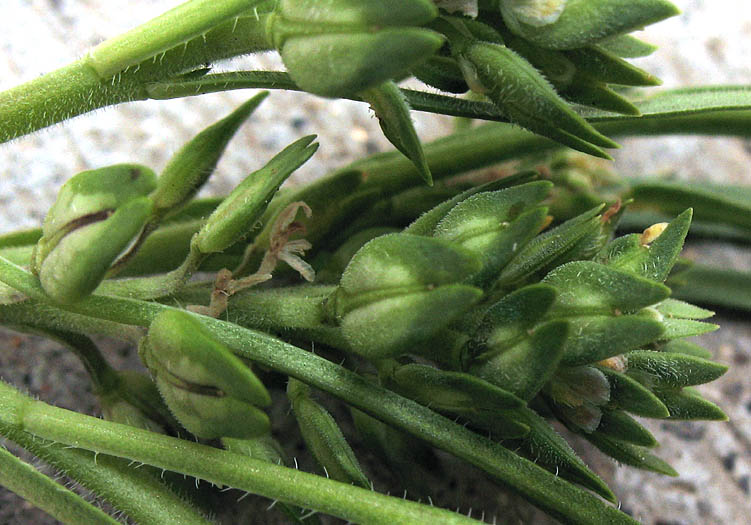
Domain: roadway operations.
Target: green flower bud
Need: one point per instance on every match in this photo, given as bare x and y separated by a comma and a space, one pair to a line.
235, 217
189, 168
95, 217
399, 289
210, 390
347, 46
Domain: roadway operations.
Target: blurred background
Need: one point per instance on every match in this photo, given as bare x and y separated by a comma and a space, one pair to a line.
708, 44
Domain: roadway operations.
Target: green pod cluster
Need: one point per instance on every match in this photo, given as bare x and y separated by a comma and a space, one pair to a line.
96, 216
347, 46
209, 390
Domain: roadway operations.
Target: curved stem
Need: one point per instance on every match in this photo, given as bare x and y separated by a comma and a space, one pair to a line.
214, 465
54, 499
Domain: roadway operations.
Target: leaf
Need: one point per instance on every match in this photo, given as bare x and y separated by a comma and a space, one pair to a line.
682, 346
630, 395
687, 405
392, 110
627, 46
547, 448
588, 287
584, 22
630, 454
323, 437
678, 328
603, 66
451, 391
682, 310
549, 246
594, 338
715, 286
668, 369
426, 223
618, 425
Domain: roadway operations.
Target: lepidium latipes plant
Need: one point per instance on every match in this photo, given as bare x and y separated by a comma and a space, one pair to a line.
445, 312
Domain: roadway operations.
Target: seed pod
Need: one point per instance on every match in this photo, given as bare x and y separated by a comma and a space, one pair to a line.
351, 45
210, 390
235, 217
527, 365
581, 22
323, 437
189, 168
399, 289
96, 215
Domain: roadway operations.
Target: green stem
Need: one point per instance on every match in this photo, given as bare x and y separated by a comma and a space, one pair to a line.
162, 33
216, 466
78, 88
54, 499
137, 492
547, 491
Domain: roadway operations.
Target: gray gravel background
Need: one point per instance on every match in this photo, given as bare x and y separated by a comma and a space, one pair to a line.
710, 43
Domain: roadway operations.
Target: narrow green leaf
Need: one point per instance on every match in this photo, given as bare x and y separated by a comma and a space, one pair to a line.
681, 346
715, 286
549, 246
687, 405
426, 223
627, 46
670, 369
630, 395
618, 425
584, 22
682, 310
599, 96
41, 491
597, 337
588, 287
548, 449
630, 454
678, 328
392, 110
604, 66
449, 391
